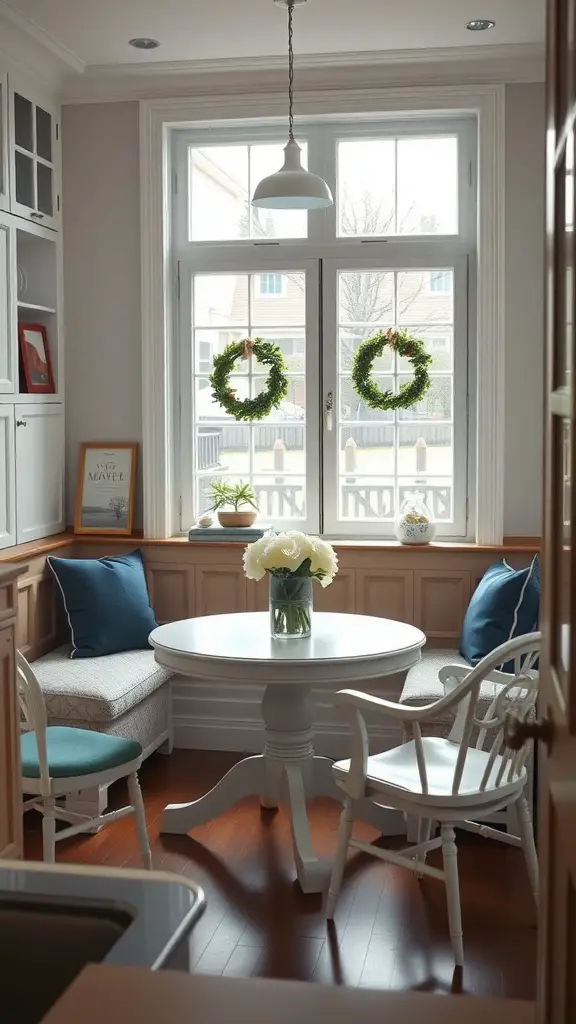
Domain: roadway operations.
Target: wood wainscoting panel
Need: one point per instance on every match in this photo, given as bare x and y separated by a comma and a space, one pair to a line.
39, 627
8, 601
257, 593
385, 592
171, 591
219, 589
340, 596
440, 602
25, 621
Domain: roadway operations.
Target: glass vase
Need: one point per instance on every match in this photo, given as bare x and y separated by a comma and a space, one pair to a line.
290, 606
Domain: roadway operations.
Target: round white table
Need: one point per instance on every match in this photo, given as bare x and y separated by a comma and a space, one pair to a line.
344, 651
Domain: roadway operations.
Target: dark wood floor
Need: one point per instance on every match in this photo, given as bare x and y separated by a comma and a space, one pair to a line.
390, 930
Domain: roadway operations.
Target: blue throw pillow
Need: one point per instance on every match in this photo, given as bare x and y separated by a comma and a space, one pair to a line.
106, 603
505, 604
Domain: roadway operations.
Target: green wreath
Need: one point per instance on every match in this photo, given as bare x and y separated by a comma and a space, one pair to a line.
408, 347
251, 408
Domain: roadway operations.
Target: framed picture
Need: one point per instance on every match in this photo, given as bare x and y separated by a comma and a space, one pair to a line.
35, 357
105, 491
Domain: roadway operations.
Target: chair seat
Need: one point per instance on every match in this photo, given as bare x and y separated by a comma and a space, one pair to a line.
397, 770
75, 752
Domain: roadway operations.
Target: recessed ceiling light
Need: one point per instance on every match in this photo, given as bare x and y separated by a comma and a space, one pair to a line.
144, 43
480, 24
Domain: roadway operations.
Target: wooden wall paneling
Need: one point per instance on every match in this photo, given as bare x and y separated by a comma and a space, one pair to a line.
385, 592
340, 596
171, 591
25, 622
440, 602
39, 627
257, 595
47, 627
219, 589
8, 601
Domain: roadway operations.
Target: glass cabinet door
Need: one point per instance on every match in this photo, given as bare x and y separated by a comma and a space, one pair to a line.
33, 141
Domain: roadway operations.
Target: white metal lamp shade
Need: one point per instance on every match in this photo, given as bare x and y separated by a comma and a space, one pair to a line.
292, 187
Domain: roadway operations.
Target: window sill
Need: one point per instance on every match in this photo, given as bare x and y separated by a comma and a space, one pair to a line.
24, 552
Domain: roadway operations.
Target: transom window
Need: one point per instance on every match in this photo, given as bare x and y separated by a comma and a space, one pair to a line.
395, 251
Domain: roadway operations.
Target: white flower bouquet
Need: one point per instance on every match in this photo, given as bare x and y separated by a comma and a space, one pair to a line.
292, 561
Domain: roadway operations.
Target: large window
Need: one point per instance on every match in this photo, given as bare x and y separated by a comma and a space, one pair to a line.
397, 250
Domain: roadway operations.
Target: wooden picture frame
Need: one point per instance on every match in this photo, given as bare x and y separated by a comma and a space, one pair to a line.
35, 359
106, 487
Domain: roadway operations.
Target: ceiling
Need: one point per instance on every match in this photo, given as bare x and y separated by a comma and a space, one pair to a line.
96, 32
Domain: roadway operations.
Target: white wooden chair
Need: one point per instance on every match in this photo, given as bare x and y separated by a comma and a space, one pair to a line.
454, 781
57, 761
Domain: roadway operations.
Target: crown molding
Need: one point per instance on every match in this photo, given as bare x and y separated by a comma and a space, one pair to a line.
357, 58
27, 25
455, 65
19, 52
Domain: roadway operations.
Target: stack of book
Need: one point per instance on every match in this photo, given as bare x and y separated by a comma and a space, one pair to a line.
229, 533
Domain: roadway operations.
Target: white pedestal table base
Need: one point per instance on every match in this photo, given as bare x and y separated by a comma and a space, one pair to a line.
287, 772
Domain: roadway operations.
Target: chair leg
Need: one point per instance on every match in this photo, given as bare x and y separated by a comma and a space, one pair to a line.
528, 844
344, 833
48, 831
140, 817
424, 829
450, 856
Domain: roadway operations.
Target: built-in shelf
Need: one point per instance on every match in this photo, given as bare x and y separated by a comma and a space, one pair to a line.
22, 398
36, 306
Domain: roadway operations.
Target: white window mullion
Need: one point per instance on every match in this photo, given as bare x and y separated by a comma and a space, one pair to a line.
185, 483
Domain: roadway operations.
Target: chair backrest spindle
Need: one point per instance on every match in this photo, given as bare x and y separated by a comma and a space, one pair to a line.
31, 701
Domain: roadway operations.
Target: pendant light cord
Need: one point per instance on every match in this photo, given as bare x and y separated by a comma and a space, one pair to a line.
290, 72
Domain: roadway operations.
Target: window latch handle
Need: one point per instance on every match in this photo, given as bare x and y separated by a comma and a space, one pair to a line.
329, 411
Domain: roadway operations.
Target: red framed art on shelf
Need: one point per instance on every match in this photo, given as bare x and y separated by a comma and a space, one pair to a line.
35, 358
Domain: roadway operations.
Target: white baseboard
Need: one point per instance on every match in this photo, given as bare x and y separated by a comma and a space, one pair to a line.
223, 716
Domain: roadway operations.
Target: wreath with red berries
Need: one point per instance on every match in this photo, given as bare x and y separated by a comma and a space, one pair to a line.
406, 346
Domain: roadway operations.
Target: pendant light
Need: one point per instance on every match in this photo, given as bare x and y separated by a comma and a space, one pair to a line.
292, 188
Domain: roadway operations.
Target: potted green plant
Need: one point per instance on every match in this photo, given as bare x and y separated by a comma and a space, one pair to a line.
235, 504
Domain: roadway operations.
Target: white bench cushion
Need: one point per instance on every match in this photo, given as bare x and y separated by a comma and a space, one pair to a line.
422, 686
97, 689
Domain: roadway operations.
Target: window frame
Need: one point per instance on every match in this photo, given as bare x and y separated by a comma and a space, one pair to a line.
322, 242
398, 259
217, 262
321, 138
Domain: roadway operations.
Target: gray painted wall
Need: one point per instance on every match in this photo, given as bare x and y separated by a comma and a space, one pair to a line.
525, 158
102, 288
101, 279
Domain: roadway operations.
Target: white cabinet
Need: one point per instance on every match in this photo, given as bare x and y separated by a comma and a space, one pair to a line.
39, 471
7, 478
8, 327
4, 189
34, 151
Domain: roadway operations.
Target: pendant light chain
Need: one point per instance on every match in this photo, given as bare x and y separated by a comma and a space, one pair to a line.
290, 72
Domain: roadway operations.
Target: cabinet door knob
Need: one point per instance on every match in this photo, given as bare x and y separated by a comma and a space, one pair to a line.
517, 731
21, 423
37, 216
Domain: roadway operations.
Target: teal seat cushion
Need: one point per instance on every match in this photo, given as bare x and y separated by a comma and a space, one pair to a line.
73, 752
105, 602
